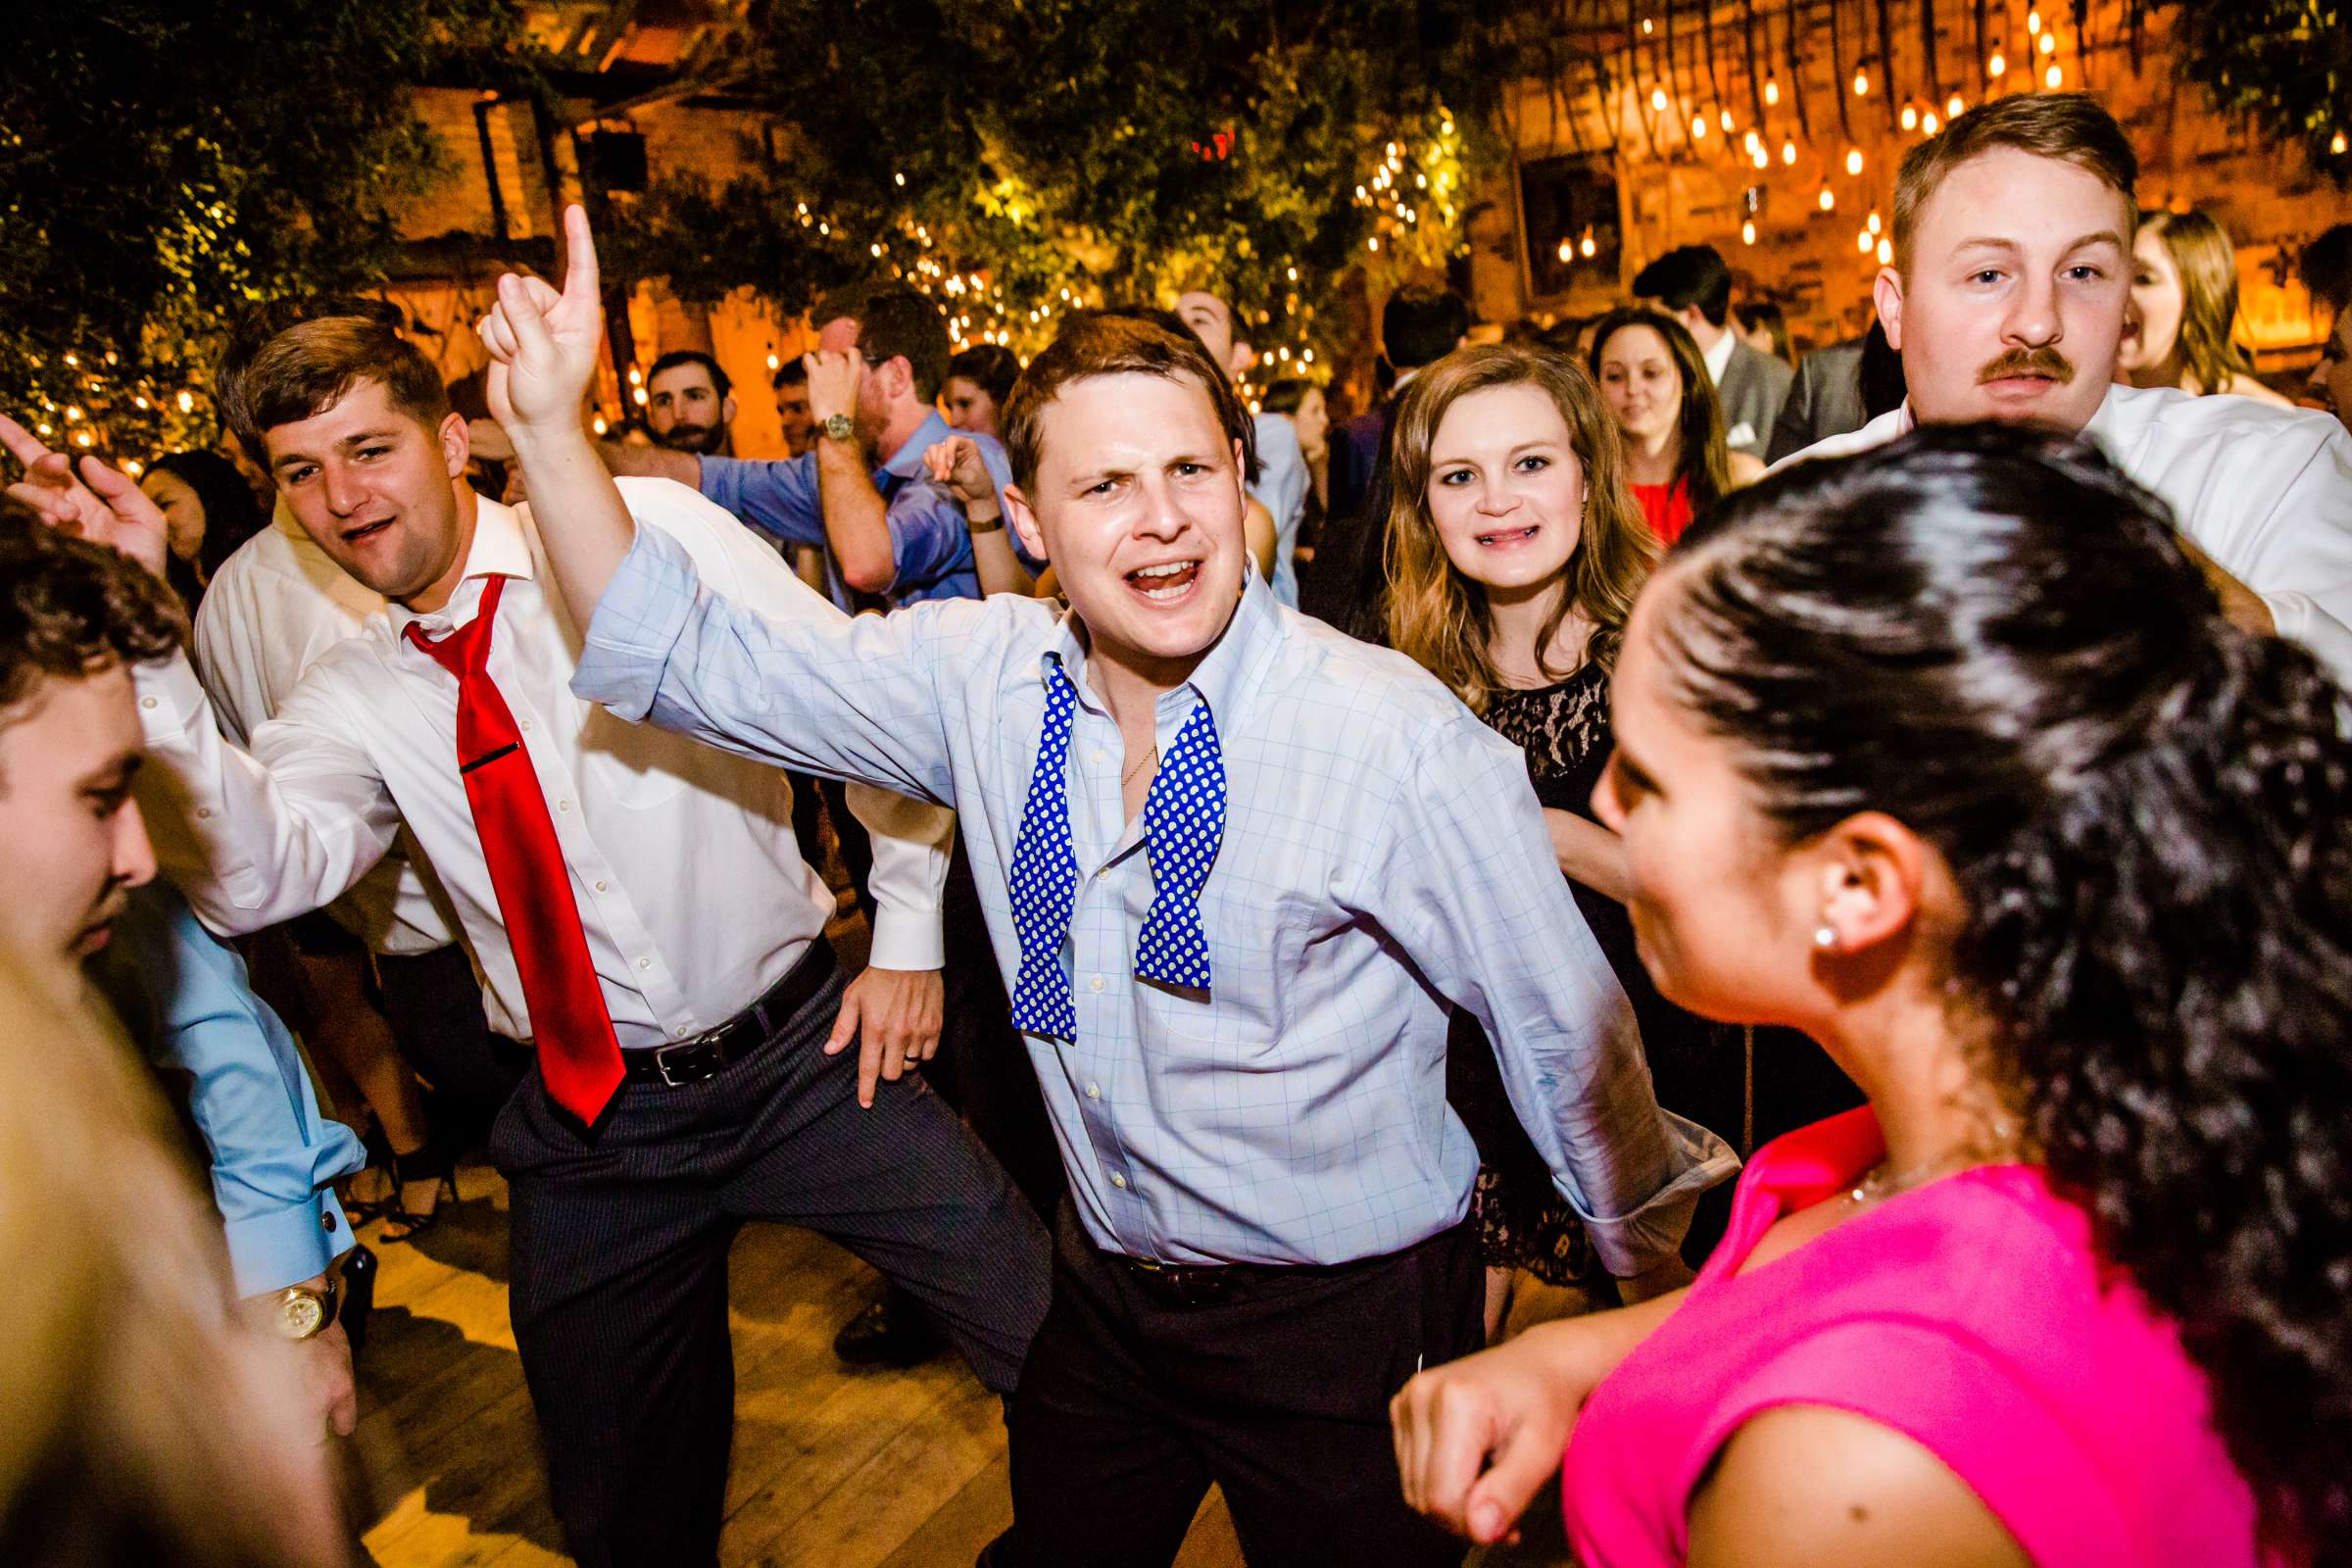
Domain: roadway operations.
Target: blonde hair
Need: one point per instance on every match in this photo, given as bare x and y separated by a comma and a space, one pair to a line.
145, 1424
2207, 263
1437, 616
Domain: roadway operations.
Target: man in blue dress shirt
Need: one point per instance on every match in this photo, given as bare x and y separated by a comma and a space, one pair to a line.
1238, 870
81, 901
861, 494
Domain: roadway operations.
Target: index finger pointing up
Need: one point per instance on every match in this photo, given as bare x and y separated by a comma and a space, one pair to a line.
580, 282
21, 443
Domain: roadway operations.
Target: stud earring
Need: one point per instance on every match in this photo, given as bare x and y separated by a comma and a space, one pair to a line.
1824, 937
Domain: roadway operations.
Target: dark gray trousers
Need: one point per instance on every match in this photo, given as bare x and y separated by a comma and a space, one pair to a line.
620, 1264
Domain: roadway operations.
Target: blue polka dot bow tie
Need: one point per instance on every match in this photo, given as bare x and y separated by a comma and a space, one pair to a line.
1184, 823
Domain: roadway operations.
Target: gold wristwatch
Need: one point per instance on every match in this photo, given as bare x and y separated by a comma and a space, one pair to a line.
299, 1312
838, 427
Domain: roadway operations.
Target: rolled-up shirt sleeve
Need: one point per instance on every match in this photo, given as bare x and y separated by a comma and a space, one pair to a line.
273, 1154
1472, 887
777, 496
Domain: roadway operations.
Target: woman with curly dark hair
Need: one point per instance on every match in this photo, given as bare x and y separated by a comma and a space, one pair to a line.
1946, 755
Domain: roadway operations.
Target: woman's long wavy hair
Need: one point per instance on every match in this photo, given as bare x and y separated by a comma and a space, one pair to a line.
1706, 458
2207, 263
1996, 638
1438, 618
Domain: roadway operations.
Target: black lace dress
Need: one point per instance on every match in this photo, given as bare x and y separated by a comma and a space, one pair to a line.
1697, 1067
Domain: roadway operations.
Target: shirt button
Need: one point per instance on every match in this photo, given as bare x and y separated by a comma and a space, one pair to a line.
1098, 758
1093, 1091
600, 884
146, 702
525, 725
563, 805
1118, 1180
645, 963
203, 811
679, 1030
326, 1222
1096, 984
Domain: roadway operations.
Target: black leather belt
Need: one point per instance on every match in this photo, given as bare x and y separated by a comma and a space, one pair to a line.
1199, 1284
709, 1053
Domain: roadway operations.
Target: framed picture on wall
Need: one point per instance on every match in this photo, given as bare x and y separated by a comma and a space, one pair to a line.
1570, 236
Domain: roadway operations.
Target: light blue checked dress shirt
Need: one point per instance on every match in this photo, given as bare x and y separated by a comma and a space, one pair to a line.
1383, 854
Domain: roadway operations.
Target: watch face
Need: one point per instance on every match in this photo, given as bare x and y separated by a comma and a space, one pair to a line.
301, 1314
839, 427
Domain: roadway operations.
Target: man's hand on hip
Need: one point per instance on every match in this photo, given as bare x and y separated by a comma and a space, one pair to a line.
895, 1016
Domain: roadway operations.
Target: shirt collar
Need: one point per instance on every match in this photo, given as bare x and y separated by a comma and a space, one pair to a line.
501, 549
1233, 671
1719, 358
908, 462
2100, 428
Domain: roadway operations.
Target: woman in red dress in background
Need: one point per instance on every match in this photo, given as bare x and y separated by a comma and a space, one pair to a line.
1656, 385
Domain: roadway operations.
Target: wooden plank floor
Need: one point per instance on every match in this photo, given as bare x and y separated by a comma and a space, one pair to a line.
833, 1468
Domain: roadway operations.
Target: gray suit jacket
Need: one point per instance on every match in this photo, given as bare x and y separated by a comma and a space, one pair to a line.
1825, 401
1753, 389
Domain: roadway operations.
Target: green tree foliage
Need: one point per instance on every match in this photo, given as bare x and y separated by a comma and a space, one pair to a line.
2286, 64
162, 165
1018, 157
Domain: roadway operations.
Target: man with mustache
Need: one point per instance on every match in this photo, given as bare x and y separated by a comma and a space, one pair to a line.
689, 403
75, 620
2012, 268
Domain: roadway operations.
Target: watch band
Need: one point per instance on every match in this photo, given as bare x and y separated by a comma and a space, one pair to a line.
838, 427
994, 524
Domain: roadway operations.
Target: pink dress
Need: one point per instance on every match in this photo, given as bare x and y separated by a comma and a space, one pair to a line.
1967, 1314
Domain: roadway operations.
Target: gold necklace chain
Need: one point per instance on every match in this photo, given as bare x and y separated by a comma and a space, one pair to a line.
1150, 757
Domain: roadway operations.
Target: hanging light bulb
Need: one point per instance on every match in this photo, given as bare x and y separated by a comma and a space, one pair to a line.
1699, 127
1885, 254
2049, 43
1996, 64
2051, 77
1657, 99
1929, 123
1853, 160
1771, 91
1829, 199
1647, 27
1586, 244
1861, 84
1727, 122
1567, 251
1910, 117
1748, 232
1760, 158
2033, 21
1863, 241
1954, 107
2337, 146
1788, 149
1872, 222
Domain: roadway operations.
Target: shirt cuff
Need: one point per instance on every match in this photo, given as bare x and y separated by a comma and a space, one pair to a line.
637, 623
285, 1246
171, 698
1632, 1243
908, 939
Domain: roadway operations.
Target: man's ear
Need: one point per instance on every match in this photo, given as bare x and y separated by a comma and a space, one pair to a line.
1888, 292
456, 445
1024, 521
726, 410
1242, 359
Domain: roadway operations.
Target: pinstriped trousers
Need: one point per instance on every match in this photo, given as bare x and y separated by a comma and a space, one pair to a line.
620, 1264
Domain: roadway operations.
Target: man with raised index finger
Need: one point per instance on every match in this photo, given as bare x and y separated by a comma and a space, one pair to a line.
640, 913
1237, 871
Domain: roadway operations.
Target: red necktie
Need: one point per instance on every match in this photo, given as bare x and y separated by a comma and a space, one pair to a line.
579, 1056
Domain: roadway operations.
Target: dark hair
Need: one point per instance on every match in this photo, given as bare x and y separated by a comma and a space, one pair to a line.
1286, 395
677, 356
1688, 275
792, 371
252, 331
1768, 315
309, 368
1133, 340
2327, 268
894, 322
2069, 127
1707, 456
230, 515
70, 609
1996, 638
1884, 384
990, 367
1422, 326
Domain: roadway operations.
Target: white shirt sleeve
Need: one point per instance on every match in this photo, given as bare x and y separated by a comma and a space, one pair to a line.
2297, 554
254, 839
912, 839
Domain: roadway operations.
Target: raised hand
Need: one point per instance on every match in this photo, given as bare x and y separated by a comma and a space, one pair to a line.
100, 504
834, 382
543, 344
955, 462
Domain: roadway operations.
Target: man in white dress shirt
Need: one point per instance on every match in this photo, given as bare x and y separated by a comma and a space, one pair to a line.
2012, 267
637, 908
